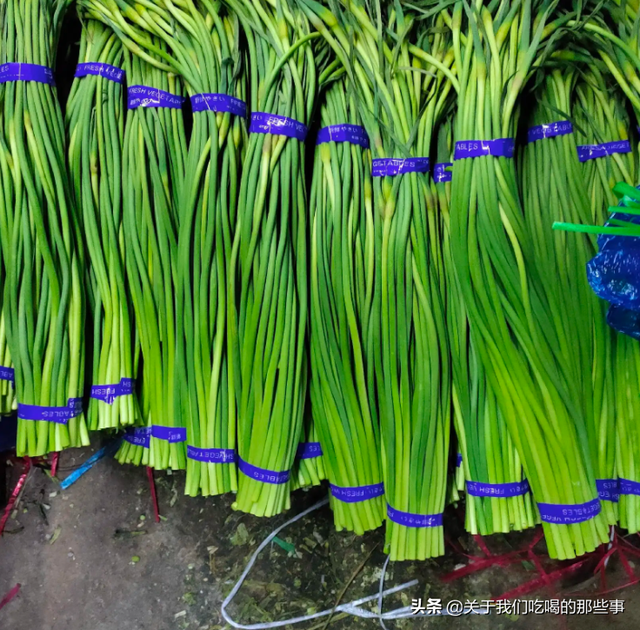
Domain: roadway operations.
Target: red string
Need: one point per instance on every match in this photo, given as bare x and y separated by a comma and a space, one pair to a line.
9, 596
483, 547
488, 559
623, 548
15, 494
154, 496
54, 464
546, 579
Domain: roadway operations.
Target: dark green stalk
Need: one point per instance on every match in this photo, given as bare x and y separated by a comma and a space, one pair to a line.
43, 291
95, 123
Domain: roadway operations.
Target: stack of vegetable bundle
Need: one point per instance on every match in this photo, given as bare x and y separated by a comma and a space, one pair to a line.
269, 259
411, 360
606, 156
43, 293
342, 337
586, 343
95, 123
487, 458
510, 319
153, 175
205, 50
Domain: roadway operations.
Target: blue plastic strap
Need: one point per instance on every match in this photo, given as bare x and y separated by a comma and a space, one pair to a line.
212, 455
550, 130
262, 474
172, 435
143, 96
441, 172
7, 374
498, 490
105, 70
139, 436
567, 514
262, 122
218, 103
608, 489
108, 393
413, 520
59, 415
629, 487
595, 151
390, 167
502, 147
356, 494
11, 72
309, 450
354, 134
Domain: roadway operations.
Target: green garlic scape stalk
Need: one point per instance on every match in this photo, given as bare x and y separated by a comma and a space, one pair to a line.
269, 256
44, 300
342, 338
400, 107
510, 321
154, 162
487, 450
95, 124
601, 117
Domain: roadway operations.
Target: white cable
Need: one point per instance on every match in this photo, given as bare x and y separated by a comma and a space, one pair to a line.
612, 533
381, 592
351, 608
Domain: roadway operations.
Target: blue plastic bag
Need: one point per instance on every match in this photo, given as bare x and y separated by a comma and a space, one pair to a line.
624, 320
614, 275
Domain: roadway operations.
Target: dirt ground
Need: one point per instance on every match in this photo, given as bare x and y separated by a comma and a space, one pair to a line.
92, 558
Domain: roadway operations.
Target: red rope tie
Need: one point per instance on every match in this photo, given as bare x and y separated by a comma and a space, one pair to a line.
623, 548
489, 559
15, 494
545, 580
9, 596
154, 496
54, 463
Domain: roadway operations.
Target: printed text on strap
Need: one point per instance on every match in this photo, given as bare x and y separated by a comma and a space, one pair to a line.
413, 520
356, 494
143, 96
108, 393
262, 474
608, 489
309, 450
502, 147
550, 130
441, 174
139, 436
59, 415
10, 72
212, 455
169, 434
353, 134
390, 167
498, 490
218, 103
261, 122
567, 514
113, 73
594, 151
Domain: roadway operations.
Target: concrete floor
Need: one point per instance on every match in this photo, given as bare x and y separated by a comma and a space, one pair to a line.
92, 558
